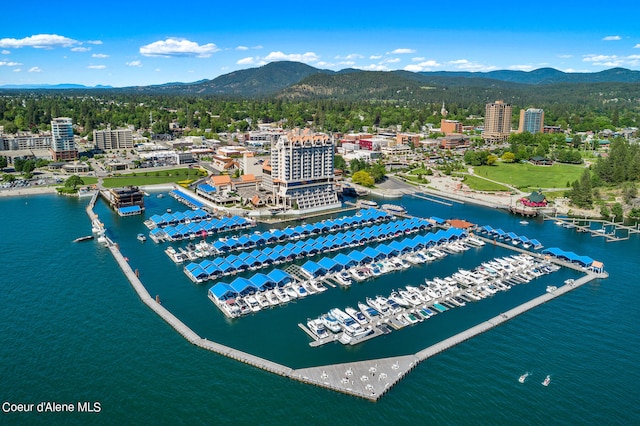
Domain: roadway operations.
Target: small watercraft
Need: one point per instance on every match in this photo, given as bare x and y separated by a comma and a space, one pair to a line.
523, 377
546, 381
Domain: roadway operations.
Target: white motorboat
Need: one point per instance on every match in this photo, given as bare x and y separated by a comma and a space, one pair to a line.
282, 295
141, 237
368, 311
523, 377
343, 278
546, 381
262, 300
318, 328
253, 303
331, 323
317, 286
356, 315
380, 306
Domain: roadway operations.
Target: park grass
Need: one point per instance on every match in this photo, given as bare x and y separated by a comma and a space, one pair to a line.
527, 176
480, 184
153, 178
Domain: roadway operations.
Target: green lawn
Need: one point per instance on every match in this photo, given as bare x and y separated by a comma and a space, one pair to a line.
528, 176
479, 184
152, 178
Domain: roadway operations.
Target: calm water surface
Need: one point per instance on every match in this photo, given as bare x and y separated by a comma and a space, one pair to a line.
74, 330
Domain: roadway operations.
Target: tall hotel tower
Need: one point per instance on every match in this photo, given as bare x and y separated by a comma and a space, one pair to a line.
300, 172
497, 122
531, 120
63, 147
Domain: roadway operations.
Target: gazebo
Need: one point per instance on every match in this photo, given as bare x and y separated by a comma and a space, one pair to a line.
535, 199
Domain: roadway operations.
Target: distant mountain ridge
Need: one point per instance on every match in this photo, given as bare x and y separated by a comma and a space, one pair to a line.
290, 80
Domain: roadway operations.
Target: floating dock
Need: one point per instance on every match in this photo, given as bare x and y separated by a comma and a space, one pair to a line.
369, 379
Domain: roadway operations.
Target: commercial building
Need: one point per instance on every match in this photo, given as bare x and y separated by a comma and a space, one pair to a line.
300, 172
63, 147
497, 122
24, 141
113, 139
531, 120
450, 126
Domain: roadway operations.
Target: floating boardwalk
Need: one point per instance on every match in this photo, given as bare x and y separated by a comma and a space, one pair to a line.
369, 379
575, 223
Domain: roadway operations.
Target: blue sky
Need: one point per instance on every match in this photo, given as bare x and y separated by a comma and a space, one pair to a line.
122, 43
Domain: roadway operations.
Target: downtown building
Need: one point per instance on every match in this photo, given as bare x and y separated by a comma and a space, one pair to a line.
497, 122
113, 139
531, 120
63, 147
300, 172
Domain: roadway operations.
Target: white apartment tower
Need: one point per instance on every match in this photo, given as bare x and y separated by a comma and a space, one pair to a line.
301, 172
497, 122
63, 147
113, 139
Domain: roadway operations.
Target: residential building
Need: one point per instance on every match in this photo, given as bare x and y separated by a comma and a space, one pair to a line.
24, 141
113, 139
63, 147
497, 122
300, 172
531, 120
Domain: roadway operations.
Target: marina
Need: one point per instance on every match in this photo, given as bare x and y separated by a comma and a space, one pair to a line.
610, 231
370, 379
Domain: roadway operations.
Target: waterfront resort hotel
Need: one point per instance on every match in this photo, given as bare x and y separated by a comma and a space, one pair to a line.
127, 201
300, 172
63, 147
497, 122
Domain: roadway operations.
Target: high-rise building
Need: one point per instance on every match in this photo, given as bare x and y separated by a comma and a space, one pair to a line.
63, 147
113, 139
497, 122
531, 120
300, 171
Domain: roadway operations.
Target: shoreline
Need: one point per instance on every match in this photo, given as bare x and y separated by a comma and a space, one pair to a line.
39, 190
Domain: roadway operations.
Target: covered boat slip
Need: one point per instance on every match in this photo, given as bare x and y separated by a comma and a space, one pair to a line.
186, 199
173, 219
130, 211
499, 234
203, 228
312, 269
321, 244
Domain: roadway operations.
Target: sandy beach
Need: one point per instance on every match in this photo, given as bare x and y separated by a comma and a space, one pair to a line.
31, 190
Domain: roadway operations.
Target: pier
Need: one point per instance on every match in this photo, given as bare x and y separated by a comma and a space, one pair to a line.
609, 235
369, 379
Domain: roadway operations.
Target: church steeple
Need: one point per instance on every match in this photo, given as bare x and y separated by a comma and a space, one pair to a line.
444, 111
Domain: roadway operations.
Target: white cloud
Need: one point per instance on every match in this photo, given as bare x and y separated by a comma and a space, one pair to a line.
242, 48
97, 67
612, 38
9, 64
350, 57
94, 41
375, 57
246, 61
419, 59
345, 63
403, 51
391, 60
7, 52
637, 46
565, 56
297, 57
80, 49
40, 41
172, 47
520, 67
134, 64
35, 69
464, 64
99, 55
422, 66
17, 70
374, 67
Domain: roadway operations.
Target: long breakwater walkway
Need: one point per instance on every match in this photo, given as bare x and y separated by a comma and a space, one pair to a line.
369, 379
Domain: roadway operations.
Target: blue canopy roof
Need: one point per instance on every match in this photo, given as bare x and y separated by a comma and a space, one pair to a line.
313, 269
243, 286
569, 255
262, 281
280, 277
344, 260
223, 291
330, 264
